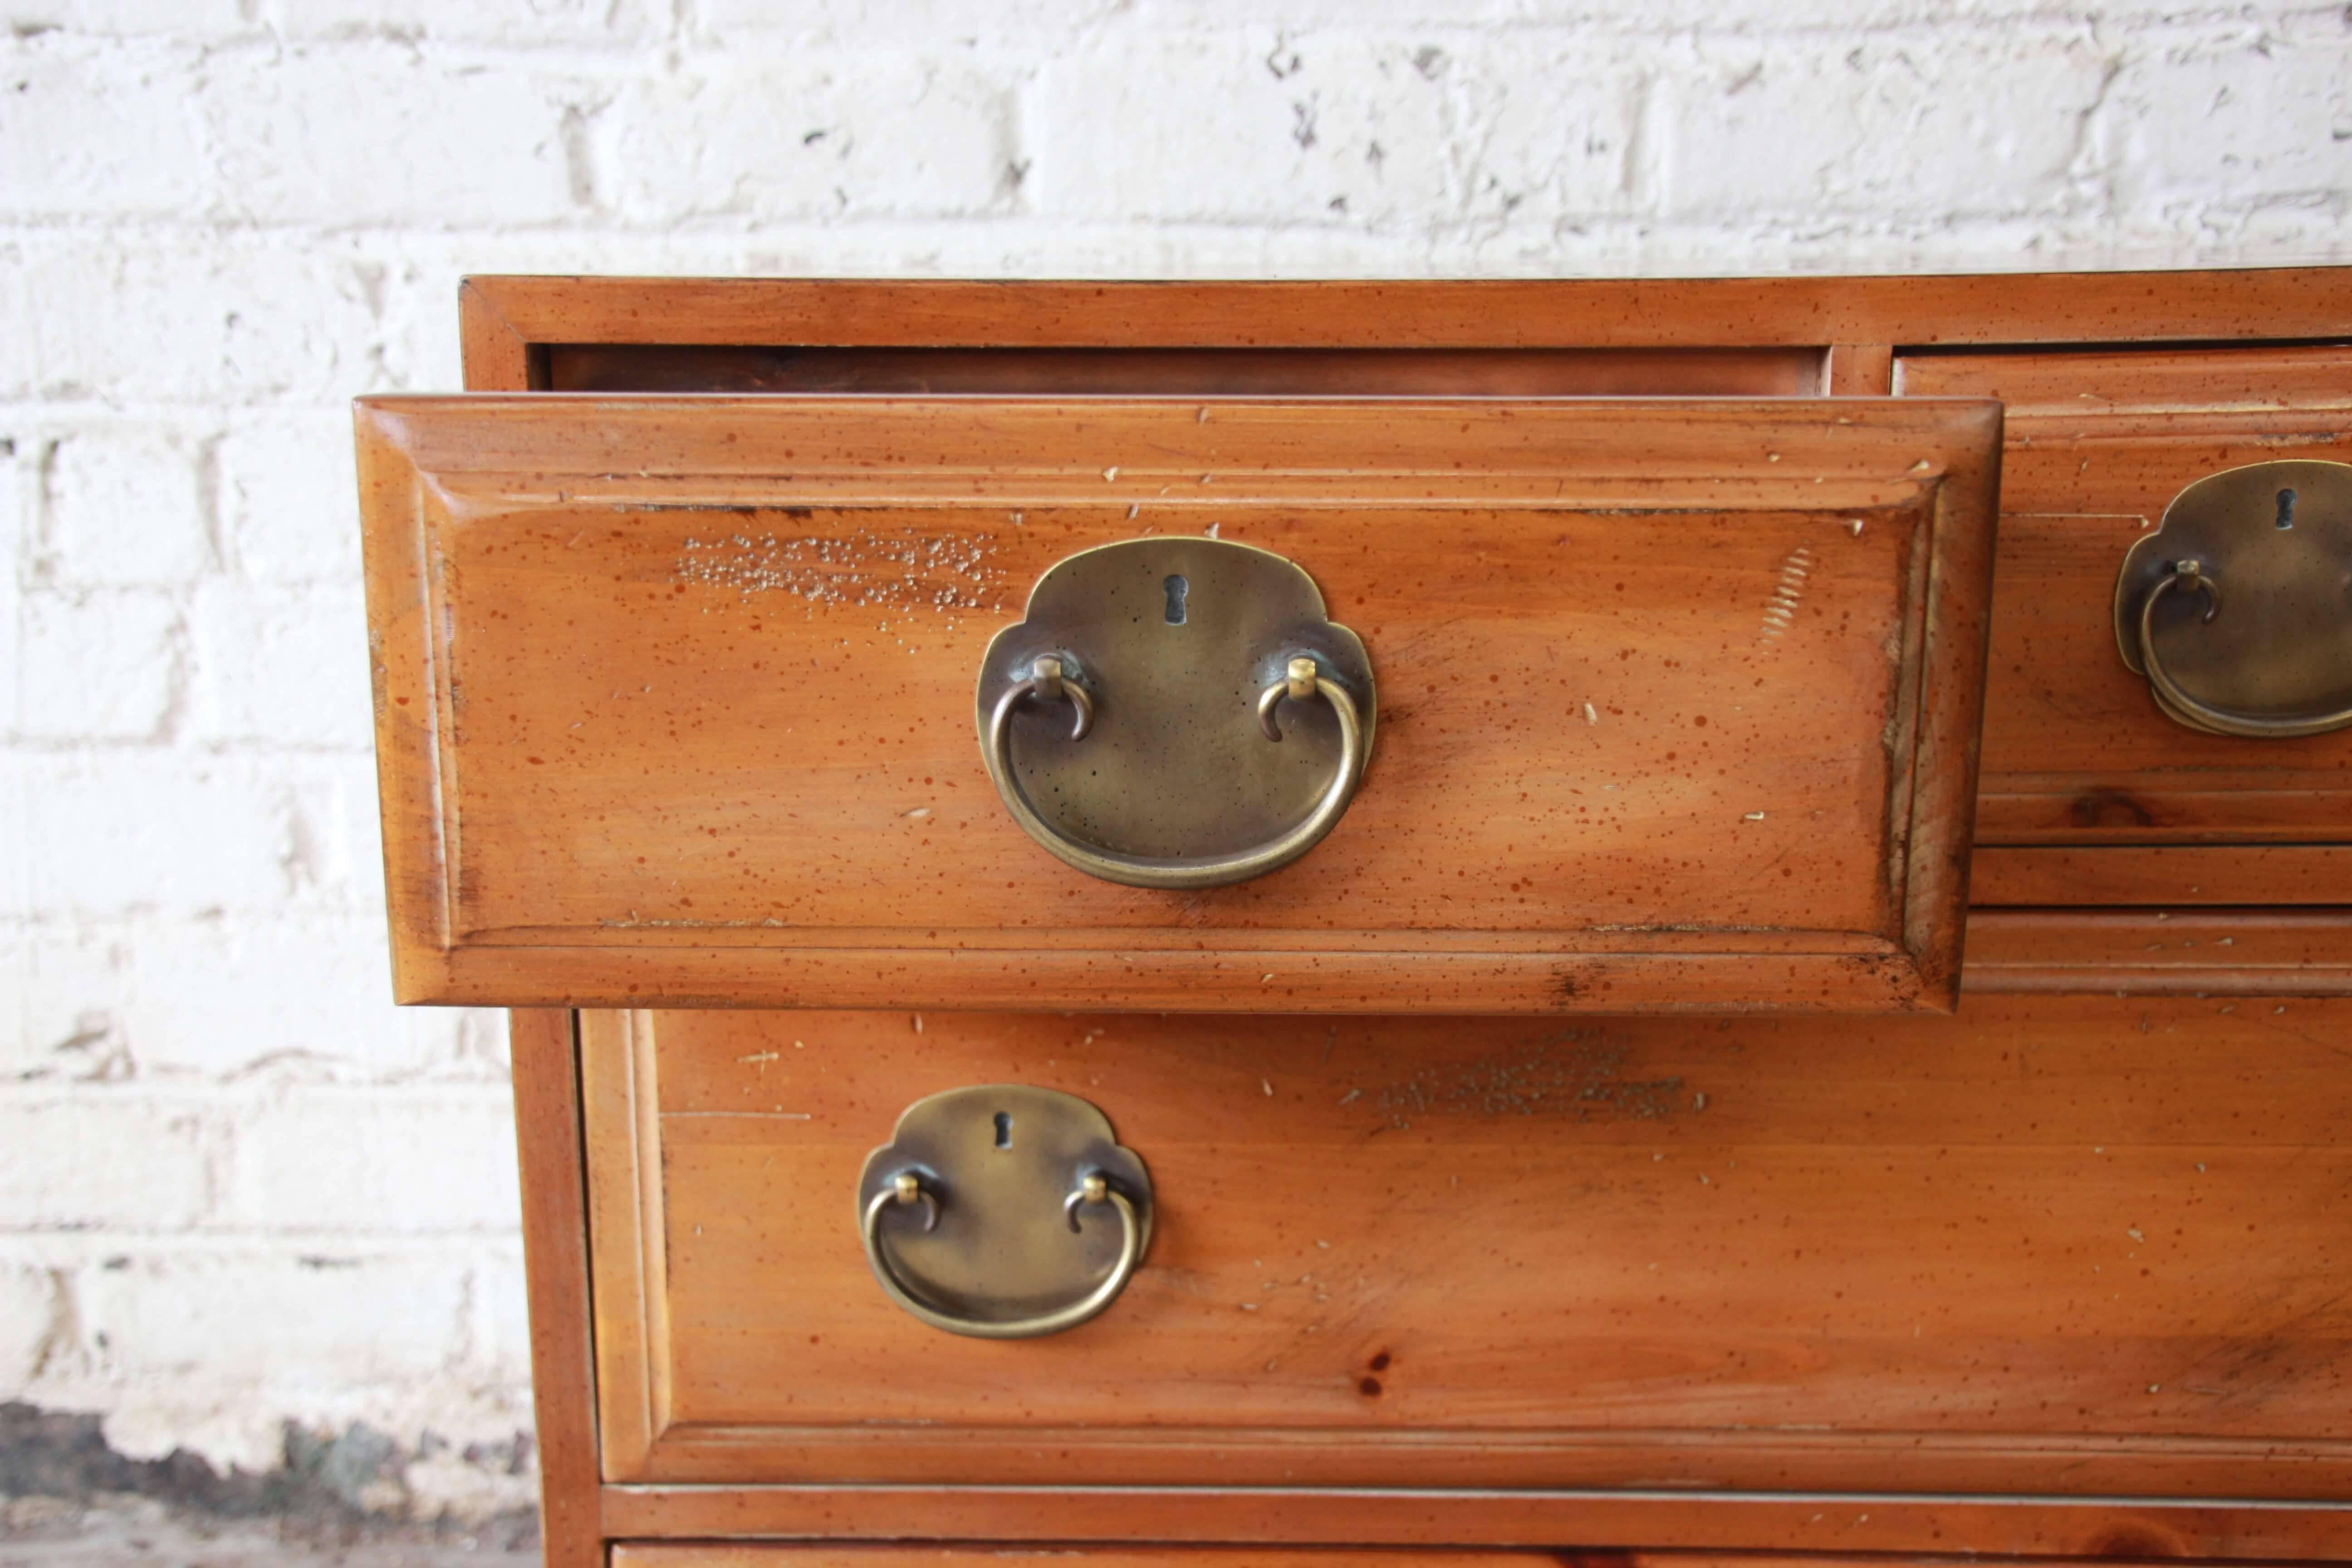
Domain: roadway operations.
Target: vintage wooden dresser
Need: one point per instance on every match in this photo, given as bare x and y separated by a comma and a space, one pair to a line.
1293, 923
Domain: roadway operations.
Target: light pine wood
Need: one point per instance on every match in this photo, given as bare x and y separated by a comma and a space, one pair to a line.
1680, 713
2077, 1246
1859, 370
2140, 383
631, 1297
1693, 312
2247, 953
2173, 875
2104, 1529
1963, 1166
555, 1264
495, 356
2075, 749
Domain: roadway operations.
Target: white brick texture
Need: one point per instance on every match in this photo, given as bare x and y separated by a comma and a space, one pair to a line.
98, 665
122, 507
237, 1188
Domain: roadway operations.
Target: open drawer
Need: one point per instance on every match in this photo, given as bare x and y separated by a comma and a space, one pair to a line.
1656, 704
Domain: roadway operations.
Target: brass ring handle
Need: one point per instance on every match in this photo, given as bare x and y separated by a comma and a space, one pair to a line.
1301, 681
2189, 576
907, 1187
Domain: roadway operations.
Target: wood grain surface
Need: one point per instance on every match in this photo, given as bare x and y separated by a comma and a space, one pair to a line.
2062, 1247
2249, 952
1683, 313
2171, 876
555, 1261
1678, 700
2075, 749
2050, 1278
1962, 1530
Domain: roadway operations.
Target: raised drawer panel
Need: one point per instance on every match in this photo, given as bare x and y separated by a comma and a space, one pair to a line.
1677, 700
2099, 443
2072, 1247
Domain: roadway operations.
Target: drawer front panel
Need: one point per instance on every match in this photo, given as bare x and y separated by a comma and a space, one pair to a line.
1678, 701
2079, 1247
1702, 1531
2075, 749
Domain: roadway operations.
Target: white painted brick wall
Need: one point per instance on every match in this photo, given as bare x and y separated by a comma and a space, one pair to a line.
236, 1186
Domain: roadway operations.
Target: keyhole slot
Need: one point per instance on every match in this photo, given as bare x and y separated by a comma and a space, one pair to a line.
1004, 1129
1176, 588
2286, 508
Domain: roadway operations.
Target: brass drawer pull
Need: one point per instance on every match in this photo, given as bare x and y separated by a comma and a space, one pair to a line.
2278, 664
2190, 575
1170, 642
1003, 1175
1301, 681
1092, 1189
1048, 682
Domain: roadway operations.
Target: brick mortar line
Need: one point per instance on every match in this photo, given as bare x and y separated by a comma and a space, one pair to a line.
501, 1243
485, 1092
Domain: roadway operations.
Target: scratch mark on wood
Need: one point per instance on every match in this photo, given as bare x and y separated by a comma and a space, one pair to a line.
905, 569
1782, 611
1571, 1074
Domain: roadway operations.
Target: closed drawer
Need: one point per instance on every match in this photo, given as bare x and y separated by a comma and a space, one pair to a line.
1667, 705
2076, 750
2070, 1249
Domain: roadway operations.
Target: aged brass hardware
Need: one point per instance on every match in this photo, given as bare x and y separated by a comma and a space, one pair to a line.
1166, 648
2237, 607
980, 1216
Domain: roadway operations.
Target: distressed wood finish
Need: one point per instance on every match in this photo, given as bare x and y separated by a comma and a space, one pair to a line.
2051, 1279
1689, 312
555, 1261
2107, 1529
2078, 1248
1859, 370
674, 699
2175, 876
2248, 952
2075, 750
2069, 765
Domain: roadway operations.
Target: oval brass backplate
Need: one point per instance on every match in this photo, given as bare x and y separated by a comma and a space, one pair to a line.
1000, 1242
2255, 624
1172, 642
